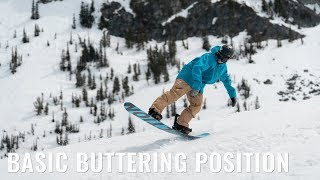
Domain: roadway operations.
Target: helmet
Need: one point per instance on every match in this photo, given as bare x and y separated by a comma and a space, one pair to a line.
225, 53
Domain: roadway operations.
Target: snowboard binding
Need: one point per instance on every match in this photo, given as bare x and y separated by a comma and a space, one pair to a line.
179, 127
154, 114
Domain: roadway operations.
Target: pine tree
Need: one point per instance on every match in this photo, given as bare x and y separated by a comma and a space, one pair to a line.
92, 53
206, 45
140, 38
32, 129
245, 106
204, 104
63, 61
166, 77
125, 86
122, 131
157, 64
290, 34
105, 40
135, 72
64, 121
173, 109
14, 61
270, 4
279, 44
92, 9
185, 45
101, 92
33, 10
172, 51
95, 108
178, 65
34, 146
129, 69
131, 128
38, 104
77, 101
74, 26
85, 95
102, 111
53, 120
185, 103
25, 38
84, 58
257, 104
46, 109
86, 18
139, 71
167, 112
111, 74
101, 133
148, 74
15, 34
105, 59
36, 30
110, 130
36, 12
224, 40
129, 38
68, 59
66, 140
79, 79
238, 107
117, 48
280, 9
83, 13
116, 85
89, 79
264, 6
94, 85
61, 105
71, 39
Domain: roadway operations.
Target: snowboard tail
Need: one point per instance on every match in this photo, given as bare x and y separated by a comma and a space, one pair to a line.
131, 108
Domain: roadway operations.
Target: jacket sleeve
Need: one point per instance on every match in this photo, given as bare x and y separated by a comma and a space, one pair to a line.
199, 66
225, 78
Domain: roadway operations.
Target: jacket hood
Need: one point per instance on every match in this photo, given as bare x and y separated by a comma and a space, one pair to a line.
215, 49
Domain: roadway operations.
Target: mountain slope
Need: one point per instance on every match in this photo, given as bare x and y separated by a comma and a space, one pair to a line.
277, 126
162, 20
266, 130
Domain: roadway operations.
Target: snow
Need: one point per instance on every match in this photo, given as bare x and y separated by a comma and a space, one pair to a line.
183, 13
265, 130
214, 20
314, 7
125, 4
292, 127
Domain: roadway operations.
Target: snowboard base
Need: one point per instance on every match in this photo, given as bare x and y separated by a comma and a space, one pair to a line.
131, 108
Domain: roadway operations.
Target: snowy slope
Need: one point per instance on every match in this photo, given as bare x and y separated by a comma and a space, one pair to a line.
46, 77
276, 127
265, 130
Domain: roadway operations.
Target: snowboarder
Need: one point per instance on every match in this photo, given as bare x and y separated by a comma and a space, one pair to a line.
191, 80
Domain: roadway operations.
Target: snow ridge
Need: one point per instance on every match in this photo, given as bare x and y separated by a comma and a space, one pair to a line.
182, 13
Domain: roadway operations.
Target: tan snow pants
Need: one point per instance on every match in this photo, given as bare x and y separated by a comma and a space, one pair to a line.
179, 88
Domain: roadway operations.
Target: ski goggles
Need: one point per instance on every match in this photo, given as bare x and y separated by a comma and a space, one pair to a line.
223, 57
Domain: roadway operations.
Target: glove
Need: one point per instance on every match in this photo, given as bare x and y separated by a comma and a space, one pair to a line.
233, 101
194, 93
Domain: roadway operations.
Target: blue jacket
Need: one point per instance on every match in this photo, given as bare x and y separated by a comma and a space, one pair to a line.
206, 70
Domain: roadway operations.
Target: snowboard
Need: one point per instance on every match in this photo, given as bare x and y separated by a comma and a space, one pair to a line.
131, 108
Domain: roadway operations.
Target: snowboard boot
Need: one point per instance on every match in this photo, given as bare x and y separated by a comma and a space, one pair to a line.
154, 114
179, 127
